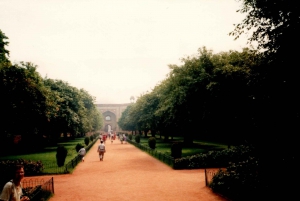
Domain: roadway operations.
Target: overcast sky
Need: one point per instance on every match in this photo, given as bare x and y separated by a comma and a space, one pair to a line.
115, 49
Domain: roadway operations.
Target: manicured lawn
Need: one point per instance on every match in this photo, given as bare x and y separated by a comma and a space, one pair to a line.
48, 154
197, 147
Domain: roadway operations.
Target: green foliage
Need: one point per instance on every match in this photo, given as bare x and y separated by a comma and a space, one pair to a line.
126, 121
275, 24
214, 159
152, 142
86, 140
274, 27
137, 138
130, 136
61, 154
176, 150
25, 103
37, 108
91, 138
4, 53
78, 147
30, 167
240, 181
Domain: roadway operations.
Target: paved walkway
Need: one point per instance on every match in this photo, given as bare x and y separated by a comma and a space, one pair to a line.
128, 173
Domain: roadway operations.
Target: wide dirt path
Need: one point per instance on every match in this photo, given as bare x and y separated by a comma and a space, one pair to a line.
130, 174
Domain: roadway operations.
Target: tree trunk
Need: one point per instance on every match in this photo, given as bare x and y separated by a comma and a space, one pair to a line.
153, 133
145, 133
166, 135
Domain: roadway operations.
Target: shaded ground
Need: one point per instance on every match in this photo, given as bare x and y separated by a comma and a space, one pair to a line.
130, 174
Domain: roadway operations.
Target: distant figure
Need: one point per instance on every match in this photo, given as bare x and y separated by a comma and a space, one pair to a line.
12, 190
104, 138
82, 153
125, 138
101, 150
121, 138
112, 138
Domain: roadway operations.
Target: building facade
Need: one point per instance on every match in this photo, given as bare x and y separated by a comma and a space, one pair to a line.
111, 114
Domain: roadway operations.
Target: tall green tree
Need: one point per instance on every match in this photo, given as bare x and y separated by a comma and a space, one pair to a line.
66, 118
24, 102
126, 122
92, 119
4, 53
274, 25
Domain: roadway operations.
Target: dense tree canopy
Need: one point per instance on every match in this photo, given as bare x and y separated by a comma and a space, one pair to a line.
274, 24
241, 97
24, 102
37, 108
125, 122
72, 111
210, 96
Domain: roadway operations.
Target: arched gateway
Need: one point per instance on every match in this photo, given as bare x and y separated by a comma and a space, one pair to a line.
111, 114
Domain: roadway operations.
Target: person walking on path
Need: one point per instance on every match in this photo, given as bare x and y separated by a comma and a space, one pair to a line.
12, 190
121, 138
112, 138
82, 153
101, 150
125, 138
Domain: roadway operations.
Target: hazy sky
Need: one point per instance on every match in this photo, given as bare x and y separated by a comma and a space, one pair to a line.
115, 49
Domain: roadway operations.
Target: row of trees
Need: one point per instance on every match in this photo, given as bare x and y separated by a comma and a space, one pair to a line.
250, 96
37, 108
236, 95
209, 96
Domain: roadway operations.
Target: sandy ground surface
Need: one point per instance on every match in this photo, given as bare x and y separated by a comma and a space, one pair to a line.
127, 173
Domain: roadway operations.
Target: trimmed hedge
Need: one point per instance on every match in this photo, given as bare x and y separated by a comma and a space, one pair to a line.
215, 158
240, 181
31, 168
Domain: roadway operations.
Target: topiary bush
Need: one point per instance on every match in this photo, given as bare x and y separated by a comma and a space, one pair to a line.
176, 150
86, 140
61, 154
152, 142
137, 138
130, 136
91, 138
78, 147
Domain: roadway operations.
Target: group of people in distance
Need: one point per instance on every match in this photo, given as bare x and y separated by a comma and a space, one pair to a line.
101, 147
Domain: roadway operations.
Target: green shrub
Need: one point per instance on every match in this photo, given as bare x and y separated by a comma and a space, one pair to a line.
91, 138
86, 140
238, 180
176, 150
31, 168
130, 137
137, 138
78, 147
152, 142
61, 154
214, 159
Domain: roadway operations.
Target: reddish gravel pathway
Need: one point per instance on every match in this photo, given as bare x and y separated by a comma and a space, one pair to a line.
130, 174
